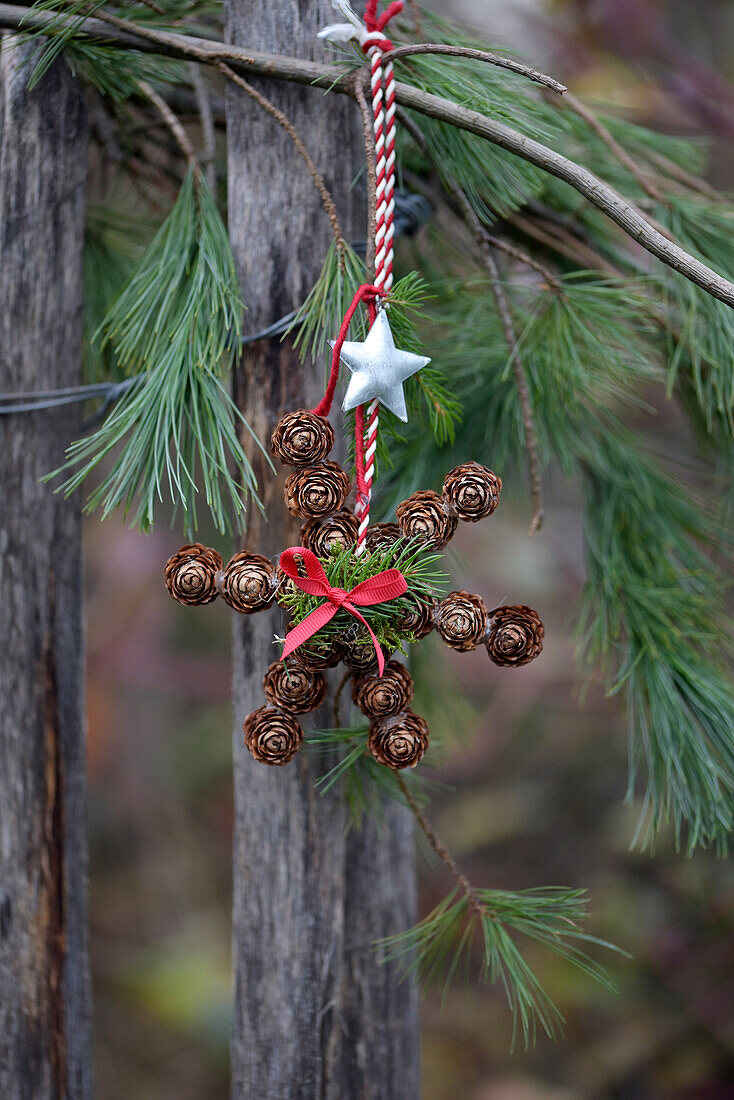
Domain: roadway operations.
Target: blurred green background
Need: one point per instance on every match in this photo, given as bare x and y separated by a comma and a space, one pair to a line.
532, 783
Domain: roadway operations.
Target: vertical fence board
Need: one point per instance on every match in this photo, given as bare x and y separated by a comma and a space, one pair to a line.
44, 979
315, 1014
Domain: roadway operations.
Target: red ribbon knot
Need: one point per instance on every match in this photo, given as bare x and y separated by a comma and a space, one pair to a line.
384, 586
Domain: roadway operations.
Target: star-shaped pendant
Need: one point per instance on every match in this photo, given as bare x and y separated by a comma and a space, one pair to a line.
379, 369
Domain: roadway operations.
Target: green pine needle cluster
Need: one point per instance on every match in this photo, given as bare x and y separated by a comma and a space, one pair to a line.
175, 434
651, 609
114, 75
346, 570
443, 944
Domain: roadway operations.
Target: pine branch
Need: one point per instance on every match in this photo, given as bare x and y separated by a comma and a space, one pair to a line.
611, 142
441, 944
598, 193
481, 237
175, 325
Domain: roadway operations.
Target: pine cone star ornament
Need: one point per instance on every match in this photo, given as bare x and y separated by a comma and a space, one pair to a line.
330, 553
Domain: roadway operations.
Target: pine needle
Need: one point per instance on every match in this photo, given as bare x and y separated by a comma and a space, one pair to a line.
173, 436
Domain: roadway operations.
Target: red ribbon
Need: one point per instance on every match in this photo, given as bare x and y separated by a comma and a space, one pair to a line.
384, 586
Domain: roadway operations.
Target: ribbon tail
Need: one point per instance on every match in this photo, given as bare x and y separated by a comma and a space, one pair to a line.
308, 627
378, 648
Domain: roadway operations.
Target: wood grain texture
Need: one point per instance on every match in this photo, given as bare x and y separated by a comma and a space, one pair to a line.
44, 979
315, 1015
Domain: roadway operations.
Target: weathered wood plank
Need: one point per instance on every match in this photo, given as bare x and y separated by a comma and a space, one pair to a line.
315, 1014
44, 978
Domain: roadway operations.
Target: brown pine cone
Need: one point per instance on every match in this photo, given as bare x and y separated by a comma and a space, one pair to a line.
359, 654
272, 736
316, 491
424, 516
249, 583
472, 491
515, 635
382, 536
339, 530
292, 687
418, 620
461, 620
382, 696
316, 654
302, 438
191, 574
400, 741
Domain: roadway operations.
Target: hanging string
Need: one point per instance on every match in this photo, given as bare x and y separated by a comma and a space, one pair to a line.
382, 82
365, 293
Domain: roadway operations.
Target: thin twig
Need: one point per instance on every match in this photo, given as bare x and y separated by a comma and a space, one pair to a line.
440, 847
282, 119
564, 243
489, 58
171, 121
370, 161
204, 106
693, 183
611, 142
526, 260
313, 73
336, 718
508, 328
415, 15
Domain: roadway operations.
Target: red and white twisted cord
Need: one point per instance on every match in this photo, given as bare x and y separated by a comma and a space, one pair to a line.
382, 80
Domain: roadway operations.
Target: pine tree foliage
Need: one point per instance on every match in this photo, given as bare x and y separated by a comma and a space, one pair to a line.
442, 945
175, 325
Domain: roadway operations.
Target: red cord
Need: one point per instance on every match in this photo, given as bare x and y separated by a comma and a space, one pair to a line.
368, 293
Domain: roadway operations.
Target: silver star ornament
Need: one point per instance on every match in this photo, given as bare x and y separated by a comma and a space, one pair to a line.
379, 369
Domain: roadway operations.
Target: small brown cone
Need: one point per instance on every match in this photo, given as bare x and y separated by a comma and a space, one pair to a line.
360, 655
461, 620
382, 536
424, 516
292, 687
338, 531
515, 635
249, 583
382, 696
272, 736
400, 741
316, 491
472, 491
317, 655
191, 574
418, 621
301, 438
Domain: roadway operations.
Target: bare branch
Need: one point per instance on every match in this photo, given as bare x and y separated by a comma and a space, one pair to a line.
440, 848
171, 121
600, 194
206, 117
282, 119
508, 329
477, 55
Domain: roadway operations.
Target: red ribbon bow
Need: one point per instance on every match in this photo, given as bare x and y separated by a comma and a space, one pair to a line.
387, 585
